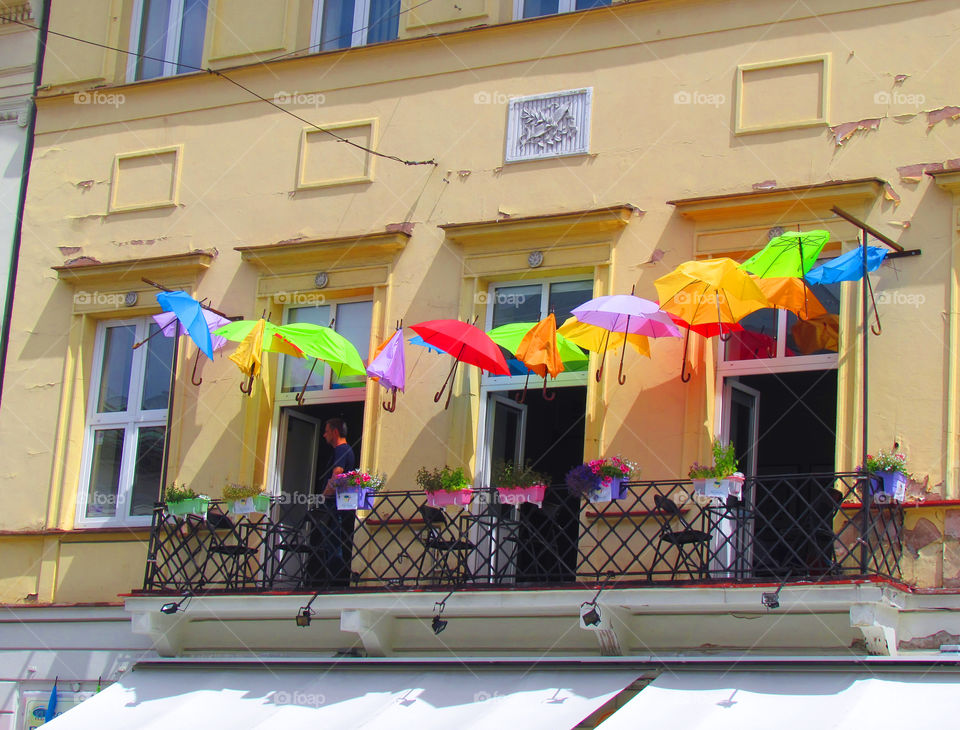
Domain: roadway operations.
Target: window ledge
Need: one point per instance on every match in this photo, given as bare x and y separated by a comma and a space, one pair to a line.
88, 272
293, 256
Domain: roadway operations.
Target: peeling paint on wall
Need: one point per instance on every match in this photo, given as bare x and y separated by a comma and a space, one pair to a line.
890, 194
935, 116
765, 185
843, 132
69, 250
912, 174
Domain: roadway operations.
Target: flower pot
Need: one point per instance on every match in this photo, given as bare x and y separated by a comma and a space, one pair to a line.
521, 495
889, 485
720, 488
443, 498
260, 504
354, 497
197, 506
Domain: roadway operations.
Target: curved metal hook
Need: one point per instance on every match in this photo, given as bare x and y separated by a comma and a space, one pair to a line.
621, 378
521, 397
552, 396
439, 394
193, 376
724, 336
603, 357
392, 405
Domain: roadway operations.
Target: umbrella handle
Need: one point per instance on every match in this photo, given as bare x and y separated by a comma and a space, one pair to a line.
392, 405
306, 382
684, 375
147, 339
552, 396
439, 394
247, 390
603, 358
193, 377
621, 378
876, 315
522, 396
450, 390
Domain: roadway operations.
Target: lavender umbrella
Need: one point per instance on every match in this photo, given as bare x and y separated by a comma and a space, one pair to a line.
390, 366
628, 314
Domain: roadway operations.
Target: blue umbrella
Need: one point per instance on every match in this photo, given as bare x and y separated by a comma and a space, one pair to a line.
190, 313
848, 267
51, 710
418, 340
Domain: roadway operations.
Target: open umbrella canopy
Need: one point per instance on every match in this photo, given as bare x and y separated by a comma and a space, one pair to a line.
820, 333
626, 313
592, 338
712, 291
325, 343
389, 365
167, 322
255, 337
191, 315
418, 341
848, 267
509, 337
793, 294
707, 329
789, 254
465, 342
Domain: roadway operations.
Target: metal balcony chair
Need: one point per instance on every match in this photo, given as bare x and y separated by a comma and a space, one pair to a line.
691, 545
234, 556
290, 552
441, 545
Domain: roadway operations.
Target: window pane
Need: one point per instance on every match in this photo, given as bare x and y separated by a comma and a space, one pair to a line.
115, 371
153, 38
191, 34
568, 295
105, 473
819, 335
584, 4
296, 369
353, 322
337, 26
516, 304
156, 377
758, 340
533, 8
146, 471
384, 20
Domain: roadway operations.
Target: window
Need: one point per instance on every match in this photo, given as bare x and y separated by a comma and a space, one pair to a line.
509, 303
345, 23
126, 424
350, 319
536, 8
171, 33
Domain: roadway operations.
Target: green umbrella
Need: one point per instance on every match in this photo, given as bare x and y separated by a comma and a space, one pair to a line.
508, 336
325, 343
789, 254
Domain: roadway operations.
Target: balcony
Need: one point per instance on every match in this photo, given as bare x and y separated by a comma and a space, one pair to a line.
789, 528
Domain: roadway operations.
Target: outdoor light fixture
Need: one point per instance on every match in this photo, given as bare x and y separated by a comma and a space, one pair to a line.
590, 616
304, 614
438, 624
171, 608
772, 600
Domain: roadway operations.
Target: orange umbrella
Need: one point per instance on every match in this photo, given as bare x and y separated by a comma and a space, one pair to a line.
820, 333
791, 293
538, 351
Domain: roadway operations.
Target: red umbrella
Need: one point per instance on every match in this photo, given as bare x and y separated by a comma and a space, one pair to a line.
706, 329
466, 343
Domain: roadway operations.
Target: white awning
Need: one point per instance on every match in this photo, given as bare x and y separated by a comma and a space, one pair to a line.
825, 699
442, 697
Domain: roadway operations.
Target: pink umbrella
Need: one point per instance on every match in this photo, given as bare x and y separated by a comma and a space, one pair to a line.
628, 314
389, 366
167, 322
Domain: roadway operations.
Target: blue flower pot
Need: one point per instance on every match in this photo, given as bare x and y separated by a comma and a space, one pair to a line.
890, 484
353, 498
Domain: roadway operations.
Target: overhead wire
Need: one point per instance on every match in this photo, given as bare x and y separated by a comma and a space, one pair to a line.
250, 91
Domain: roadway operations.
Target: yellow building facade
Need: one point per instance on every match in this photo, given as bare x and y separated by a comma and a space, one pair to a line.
480, 161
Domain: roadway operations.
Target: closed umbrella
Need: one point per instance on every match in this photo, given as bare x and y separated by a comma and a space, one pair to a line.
389, 366
255, 337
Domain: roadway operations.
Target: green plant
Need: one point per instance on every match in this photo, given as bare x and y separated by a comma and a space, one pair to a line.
179, 493
233, 492
510, 474
887, 462
444, 479
724, 463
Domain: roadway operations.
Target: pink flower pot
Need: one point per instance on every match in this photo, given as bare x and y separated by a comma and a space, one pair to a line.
522, 495
442, 498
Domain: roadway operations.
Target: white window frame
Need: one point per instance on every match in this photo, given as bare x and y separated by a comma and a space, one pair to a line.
563, 6
491, 383
327, 394
361, 14
170, 51
130, 420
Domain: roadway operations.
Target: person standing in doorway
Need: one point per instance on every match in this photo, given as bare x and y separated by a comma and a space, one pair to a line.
335, 526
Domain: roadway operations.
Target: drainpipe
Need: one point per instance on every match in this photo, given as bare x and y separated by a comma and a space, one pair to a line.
21, 203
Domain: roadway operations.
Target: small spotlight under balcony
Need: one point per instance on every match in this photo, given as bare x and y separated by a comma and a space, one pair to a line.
303, 616
174, 606
438, 624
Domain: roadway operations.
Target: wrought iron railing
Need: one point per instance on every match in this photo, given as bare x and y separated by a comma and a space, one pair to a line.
784, 528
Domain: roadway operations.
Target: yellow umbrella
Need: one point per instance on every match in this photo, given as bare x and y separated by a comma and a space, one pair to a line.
250, 334
793, 294
716, 290
590, 337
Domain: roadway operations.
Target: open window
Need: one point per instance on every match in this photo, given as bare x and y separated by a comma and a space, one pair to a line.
168, 35
126, 425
